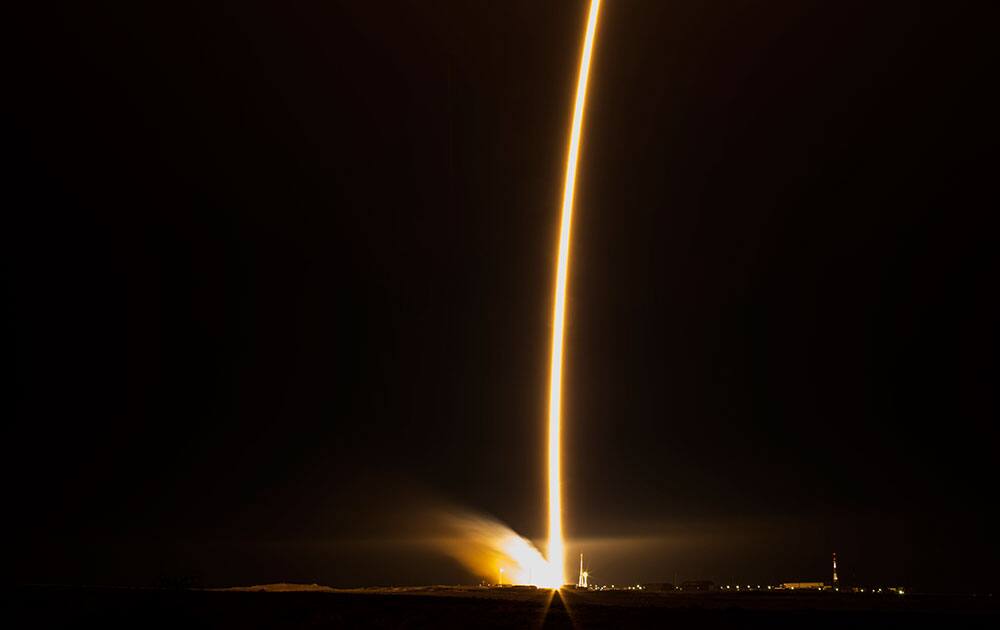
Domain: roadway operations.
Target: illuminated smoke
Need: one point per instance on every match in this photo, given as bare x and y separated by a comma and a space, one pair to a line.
485, 546
556, 546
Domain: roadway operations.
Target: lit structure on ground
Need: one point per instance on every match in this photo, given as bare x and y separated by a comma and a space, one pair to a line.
556, 550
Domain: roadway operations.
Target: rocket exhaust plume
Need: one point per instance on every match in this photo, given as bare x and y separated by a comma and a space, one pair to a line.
556, 546
484, 545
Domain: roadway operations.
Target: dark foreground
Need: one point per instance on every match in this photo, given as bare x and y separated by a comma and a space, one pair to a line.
458, 607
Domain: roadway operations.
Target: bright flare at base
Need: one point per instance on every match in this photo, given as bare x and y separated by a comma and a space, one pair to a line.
556, 546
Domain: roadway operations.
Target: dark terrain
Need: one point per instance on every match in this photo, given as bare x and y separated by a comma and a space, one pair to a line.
469, 607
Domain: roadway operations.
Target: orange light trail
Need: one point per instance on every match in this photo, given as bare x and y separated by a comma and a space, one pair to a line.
556, 546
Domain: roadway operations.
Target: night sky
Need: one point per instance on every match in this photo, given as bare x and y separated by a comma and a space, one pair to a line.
280, 283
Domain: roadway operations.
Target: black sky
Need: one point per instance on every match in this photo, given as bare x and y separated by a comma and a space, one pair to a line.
280, 274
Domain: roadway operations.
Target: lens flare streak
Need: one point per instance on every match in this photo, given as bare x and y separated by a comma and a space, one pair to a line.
556, 547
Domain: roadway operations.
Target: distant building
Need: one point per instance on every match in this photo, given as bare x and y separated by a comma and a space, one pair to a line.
697, 585
658, 586
804, 586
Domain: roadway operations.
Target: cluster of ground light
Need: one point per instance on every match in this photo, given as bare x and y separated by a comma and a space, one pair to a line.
285, 606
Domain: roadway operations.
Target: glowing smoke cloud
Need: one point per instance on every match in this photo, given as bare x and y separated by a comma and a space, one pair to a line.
556, 547
485, 546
